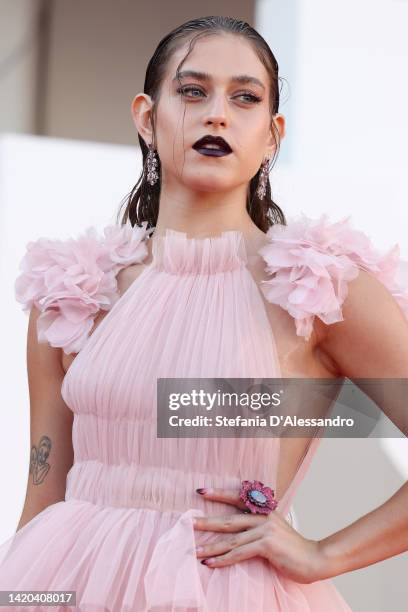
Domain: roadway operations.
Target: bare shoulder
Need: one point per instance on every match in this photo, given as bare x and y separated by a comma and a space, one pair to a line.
126, 276
372, 338
368, 307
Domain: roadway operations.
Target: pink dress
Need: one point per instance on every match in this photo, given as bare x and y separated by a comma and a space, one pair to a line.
123, 538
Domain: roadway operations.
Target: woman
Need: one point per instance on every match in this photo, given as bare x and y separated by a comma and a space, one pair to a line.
202, 278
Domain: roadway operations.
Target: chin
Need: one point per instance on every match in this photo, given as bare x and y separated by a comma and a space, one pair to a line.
208, 189
209, 184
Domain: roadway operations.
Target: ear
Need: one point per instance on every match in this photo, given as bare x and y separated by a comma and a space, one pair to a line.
280, 126
141, 109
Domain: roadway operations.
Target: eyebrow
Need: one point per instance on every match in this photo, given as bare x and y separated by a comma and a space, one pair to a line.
243, 79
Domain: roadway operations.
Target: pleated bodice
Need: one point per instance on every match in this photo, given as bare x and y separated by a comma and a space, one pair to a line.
195, 311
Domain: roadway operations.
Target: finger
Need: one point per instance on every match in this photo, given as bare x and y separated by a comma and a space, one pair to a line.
226, 544
228, 523
227, 496
246, 551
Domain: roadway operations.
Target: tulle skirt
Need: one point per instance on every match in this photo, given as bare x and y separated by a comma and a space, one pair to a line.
142, 560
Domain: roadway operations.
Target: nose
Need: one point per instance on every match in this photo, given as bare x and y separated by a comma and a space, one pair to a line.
216, 113
216, 120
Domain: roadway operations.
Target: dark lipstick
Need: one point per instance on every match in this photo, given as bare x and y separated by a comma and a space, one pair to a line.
214, 146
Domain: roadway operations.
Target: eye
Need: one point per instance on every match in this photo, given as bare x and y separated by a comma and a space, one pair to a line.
252, 97
190, 88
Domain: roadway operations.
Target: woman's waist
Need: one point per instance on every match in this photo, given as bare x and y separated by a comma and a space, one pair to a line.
142, 486
130, 441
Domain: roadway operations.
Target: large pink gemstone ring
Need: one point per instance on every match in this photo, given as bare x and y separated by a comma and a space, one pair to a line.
257, 498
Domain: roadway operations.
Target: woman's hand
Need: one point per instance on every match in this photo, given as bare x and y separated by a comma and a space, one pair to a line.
269, 536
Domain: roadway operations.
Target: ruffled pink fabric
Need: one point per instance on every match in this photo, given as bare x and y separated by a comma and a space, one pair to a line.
69, 281
311, 262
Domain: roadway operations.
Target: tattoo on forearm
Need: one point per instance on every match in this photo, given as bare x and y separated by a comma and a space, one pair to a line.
39, 467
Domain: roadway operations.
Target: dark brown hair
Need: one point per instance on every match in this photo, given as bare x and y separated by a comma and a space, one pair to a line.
142, 203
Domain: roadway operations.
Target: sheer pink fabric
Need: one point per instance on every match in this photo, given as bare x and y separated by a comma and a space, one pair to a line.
123, 538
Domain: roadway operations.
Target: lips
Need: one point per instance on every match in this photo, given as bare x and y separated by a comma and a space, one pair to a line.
214, 146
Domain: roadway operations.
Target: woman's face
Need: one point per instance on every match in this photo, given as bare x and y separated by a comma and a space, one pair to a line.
216, 105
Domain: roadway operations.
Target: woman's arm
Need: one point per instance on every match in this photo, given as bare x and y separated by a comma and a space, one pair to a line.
51, 452
376, 536
371, 342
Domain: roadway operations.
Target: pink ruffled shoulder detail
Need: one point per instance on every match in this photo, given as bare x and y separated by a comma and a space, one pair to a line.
69, 281
311, 261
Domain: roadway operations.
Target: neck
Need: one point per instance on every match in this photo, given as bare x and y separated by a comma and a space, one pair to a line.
204, 214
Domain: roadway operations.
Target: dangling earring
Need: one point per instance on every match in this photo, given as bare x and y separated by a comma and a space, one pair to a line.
151, 162
261, 189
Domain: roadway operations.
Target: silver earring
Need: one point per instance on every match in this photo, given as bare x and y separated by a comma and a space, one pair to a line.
261, 189
151, 162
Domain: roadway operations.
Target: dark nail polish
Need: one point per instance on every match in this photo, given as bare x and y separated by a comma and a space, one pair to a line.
204, 561
201, 491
